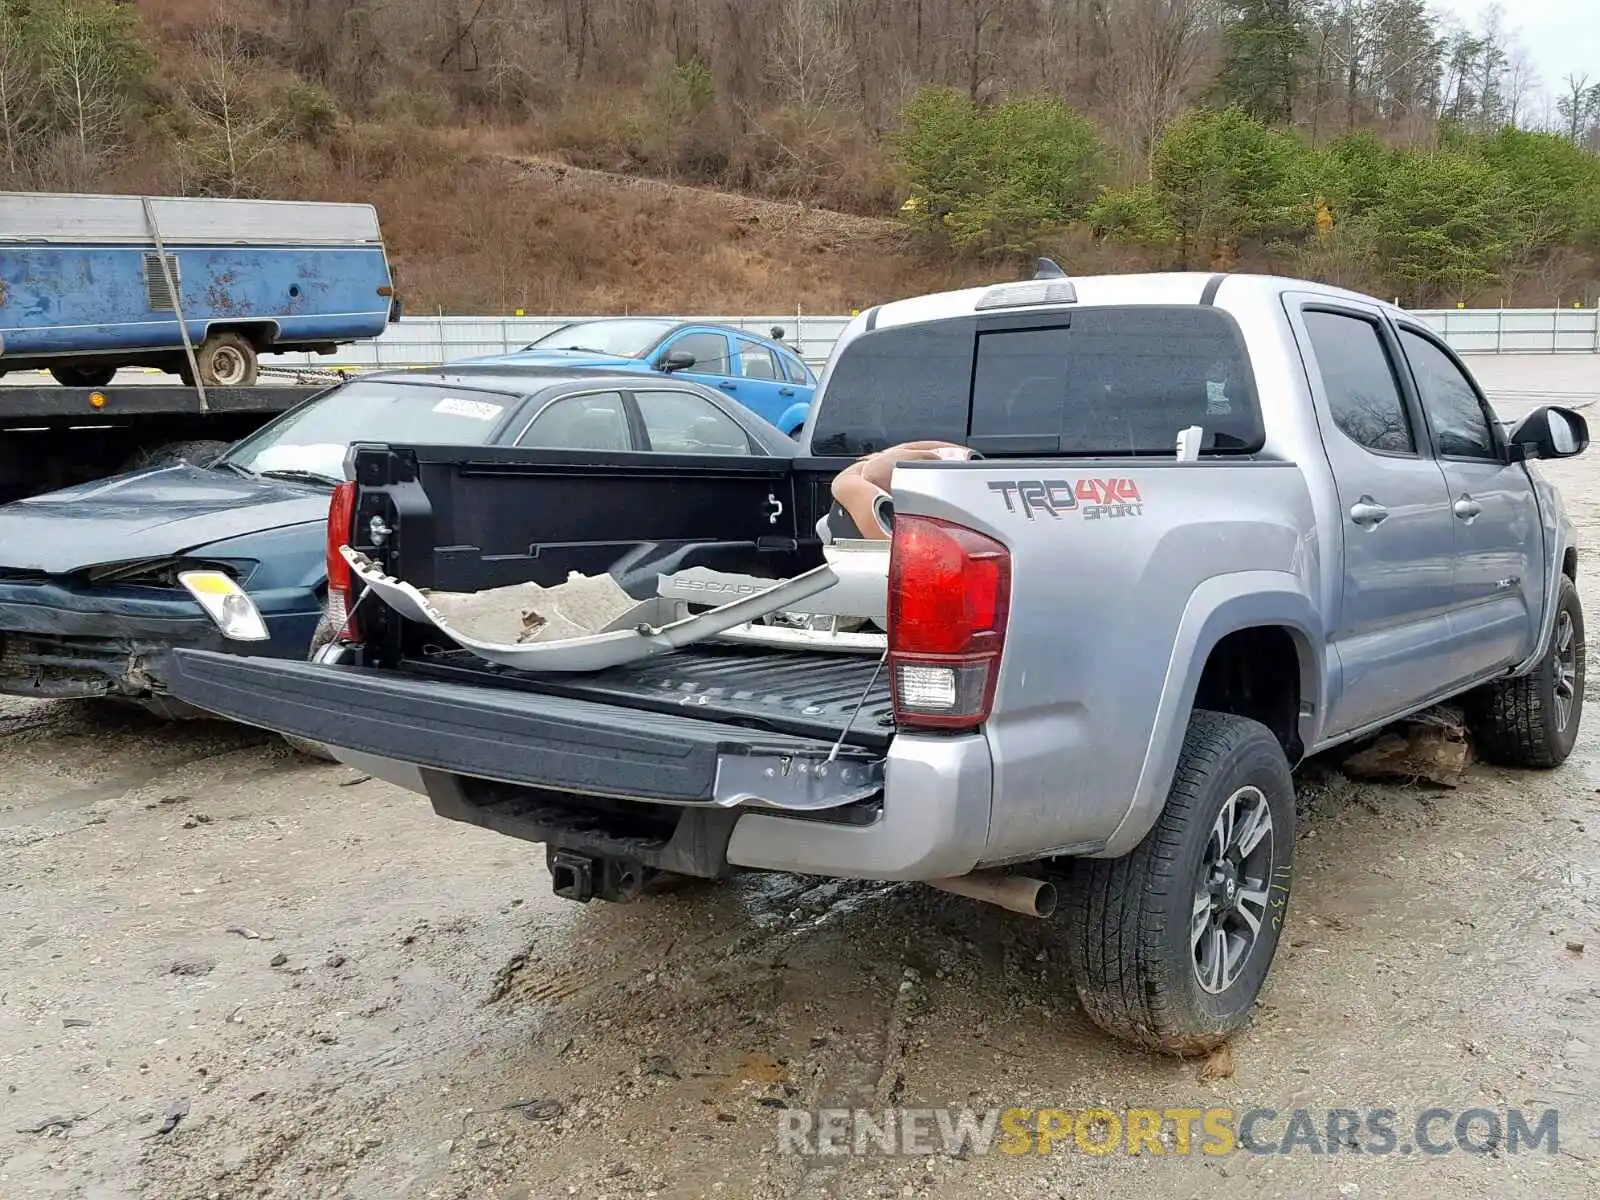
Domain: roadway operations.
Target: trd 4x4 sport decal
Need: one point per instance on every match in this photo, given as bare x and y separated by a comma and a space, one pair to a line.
1091, 498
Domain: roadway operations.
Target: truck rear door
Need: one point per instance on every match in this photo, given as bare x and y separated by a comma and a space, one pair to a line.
1391, 630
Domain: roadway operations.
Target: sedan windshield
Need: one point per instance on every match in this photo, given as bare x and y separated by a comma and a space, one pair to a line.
310, 442
624, 338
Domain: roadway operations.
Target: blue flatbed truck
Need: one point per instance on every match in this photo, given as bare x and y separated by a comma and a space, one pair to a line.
196, 287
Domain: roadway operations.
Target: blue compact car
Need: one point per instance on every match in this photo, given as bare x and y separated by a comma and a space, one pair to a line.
762, 374
100, 582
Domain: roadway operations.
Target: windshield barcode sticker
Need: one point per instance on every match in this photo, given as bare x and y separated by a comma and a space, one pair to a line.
478, 410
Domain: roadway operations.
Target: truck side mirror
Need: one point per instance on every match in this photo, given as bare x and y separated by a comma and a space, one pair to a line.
1549, 433
677, 360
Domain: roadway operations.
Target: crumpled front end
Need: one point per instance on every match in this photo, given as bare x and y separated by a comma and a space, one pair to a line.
56, 667
68, 638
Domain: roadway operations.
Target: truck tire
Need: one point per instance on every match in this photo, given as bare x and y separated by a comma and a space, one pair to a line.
1171, 943
305, 746
199, 453
1532, 720
91, 377
226, 360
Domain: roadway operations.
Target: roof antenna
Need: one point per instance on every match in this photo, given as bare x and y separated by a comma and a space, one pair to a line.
1048, 268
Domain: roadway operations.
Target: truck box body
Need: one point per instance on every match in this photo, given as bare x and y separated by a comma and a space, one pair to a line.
80, 278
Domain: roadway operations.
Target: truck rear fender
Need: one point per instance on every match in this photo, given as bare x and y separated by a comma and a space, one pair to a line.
1223, 607
1126, 574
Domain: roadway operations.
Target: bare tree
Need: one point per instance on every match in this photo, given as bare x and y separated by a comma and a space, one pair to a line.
19, 94
87, 79
238, 126
1573, 105
1522, 81
1157, 49
981, 21
809, 65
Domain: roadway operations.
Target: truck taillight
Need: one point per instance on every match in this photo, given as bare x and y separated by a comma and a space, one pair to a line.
949, 595
341, 580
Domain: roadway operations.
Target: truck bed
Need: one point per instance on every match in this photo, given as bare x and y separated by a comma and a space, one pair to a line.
795, 693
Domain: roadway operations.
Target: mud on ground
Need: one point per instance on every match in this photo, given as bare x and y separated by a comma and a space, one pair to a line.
324, 990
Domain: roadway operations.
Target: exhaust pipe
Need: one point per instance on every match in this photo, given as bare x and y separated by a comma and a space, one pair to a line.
1016, 893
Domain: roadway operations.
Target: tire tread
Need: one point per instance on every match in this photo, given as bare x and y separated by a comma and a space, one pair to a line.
1115, 907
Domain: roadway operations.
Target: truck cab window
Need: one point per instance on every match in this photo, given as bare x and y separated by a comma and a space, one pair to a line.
1122, 380
896, 384
1363, 397
1460, 421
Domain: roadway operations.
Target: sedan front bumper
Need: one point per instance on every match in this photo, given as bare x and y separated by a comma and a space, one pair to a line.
59, 643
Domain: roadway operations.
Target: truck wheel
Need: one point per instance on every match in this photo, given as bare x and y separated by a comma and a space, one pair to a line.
91, 377
226, 360
304, 746
199, 453
1171, 943
1532, 720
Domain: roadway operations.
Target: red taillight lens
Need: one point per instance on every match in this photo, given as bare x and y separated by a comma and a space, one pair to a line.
341, 600
949, 595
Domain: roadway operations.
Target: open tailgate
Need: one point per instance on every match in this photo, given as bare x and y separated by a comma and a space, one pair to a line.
546, 741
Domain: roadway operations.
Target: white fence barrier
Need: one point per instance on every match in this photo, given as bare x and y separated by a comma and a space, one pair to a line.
1519, 330
418, 341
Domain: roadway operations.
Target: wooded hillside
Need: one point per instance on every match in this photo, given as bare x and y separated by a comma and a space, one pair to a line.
904, 144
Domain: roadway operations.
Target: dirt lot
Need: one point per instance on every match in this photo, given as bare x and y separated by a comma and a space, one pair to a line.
346, 996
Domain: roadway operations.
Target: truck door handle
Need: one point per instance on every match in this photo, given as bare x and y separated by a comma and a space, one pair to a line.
728, 385
785, 391
1466, 508
1368, 513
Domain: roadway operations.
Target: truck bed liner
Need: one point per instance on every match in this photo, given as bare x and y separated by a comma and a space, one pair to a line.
804, 695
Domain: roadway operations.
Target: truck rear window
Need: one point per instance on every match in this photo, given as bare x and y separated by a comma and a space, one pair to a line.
1093, 381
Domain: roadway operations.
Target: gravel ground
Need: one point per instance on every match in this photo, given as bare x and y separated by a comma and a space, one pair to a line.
321, 989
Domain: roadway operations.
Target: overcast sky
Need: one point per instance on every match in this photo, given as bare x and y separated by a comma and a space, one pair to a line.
1561, 36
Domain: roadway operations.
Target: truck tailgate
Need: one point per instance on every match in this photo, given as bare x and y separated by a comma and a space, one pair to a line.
561, 742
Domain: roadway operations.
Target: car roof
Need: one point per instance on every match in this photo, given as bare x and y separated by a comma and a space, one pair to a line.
511, 379
672, 325
546, 382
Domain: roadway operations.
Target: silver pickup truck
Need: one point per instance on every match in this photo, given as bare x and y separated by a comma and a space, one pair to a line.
1216, 524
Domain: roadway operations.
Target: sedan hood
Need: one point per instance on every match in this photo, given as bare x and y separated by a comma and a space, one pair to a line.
150, 514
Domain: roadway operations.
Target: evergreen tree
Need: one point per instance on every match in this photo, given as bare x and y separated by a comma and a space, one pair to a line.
1264, 45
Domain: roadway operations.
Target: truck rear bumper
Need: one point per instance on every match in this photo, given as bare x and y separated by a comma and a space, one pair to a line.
931, 823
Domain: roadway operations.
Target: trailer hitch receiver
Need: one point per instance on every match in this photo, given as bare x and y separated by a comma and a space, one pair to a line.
584, 877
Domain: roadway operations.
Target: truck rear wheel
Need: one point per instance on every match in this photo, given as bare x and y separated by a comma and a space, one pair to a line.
226, 360
83, 376
1532, 721
1171, 943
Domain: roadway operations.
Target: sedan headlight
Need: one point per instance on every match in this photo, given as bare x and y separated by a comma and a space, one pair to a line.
227, 604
